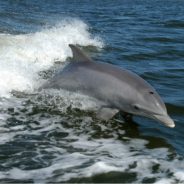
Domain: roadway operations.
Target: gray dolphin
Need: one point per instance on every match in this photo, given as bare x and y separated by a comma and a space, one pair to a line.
118, 89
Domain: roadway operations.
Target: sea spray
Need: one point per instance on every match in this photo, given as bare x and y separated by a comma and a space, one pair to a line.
22, 57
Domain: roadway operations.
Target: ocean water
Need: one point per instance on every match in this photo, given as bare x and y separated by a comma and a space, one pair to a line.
53, 136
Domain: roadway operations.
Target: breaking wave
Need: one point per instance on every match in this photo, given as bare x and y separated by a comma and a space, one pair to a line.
23, 56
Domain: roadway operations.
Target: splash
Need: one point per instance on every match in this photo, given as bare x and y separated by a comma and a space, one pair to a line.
22, 57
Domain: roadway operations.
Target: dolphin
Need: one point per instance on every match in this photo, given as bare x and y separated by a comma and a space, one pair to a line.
119, 89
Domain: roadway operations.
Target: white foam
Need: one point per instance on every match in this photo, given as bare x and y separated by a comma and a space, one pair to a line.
100, 167
95, 156
179, 175
22, 57
62, 99
165, 181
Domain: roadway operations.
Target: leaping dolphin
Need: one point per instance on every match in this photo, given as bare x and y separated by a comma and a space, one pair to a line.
117, 88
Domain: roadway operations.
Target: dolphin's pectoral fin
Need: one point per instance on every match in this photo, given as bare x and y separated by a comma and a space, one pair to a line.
78, 55
106, 113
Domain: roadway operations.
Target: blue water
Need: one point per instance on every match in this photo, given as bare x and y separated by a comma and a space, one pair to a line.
54, 136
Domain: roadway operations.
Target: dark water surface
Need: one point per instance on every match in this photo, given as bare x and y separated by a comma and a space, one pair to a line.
53, 136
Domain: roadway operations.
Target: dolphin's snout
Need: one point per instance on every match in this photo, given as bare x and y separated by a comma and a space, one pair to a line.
166, 120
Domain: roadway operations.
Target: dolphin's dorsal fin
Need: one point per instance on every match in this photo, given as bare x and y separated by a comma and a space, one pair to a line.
78, 55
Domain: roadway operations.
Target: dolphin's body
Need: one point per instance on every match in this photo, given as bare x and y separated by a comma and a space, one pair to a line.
118, 89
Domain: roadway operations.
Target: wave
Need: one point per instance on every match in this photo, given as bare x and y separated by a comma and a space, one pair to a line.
22, 57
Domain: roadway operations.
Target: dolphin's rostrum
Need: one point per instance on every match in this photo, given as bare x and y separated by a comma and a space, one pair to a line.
118, 89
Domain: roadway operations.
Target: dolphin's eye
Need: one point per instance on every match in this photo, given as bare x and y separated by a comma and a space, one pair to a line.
135, 107
151, 92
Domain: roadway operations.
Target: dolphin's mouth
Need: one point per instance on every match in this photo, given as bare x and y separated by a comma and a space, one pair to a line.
165, 119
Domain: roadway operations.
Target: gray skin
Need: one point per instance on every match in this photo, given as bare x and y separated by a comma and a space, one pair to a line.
117, 88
